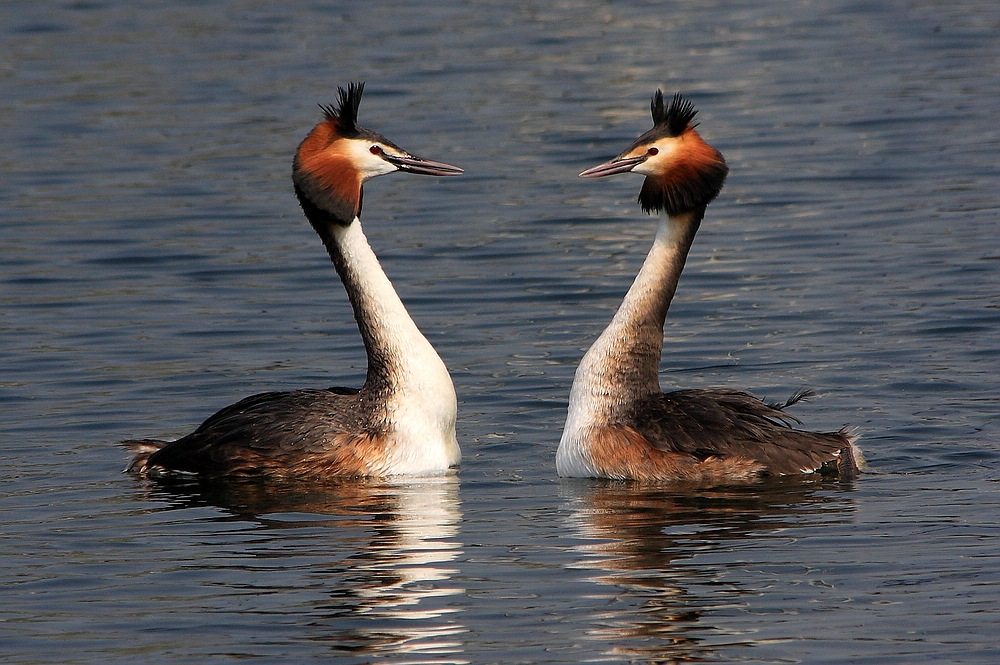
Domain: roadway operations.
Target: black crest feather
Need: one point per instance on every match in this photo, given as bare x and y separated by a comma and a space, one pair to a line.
345, 114
698, 183
673, 119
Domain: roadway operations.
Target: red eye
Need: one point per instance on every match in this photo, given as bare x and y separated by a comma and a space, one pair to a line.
653, 151
375, 150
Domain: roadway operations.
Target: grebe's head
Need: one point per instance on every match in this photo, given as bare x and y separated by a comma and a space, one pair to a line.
683, 173
339, 156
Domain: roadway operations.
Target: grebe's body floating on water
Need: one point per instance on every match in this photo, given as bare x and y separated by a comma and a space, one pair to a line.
402, 421
620, 424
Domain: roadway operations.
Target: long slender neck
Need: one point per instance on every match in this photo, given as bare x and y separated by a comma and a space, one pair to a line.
399, 356
625, 359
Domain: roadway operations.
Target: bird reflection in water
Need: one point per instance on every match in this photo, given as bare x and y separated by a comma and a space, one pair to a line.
384, 553
640, 541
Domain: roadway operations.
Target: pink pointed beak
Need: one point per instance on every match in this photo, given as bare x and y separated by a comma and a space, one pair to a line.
612, 167
411, 164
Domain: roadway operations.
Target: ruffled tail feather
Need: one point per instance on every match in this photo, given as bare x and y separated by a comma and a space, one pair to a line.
141, 449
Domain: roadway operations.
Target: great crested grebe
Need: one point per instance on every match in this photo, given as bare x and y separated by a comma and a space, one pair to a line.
620, 424
402, 420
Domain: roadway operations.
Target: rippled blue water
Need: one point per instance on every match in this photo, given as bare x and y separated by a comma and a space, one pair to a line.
154, 266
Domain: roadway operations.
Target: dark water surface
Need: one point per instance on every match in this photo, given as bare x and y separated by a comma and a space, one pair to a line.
154, 266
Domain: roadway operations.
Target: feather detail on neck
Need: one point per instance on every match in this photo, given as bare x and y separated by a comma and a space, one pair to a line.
624, 361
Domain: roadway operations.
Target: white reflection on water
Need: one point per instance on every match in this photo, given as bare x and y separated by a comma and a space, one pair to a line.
395, 601
642, 543
368, 563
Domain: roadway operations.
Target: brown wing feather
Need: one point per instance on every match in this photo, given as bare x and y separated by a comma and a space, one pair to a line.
301, 433
622, 452
729, 423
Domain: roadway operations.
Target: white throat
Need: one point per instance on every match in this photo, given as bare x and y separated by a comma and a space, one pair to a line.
623, 363
420, 403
